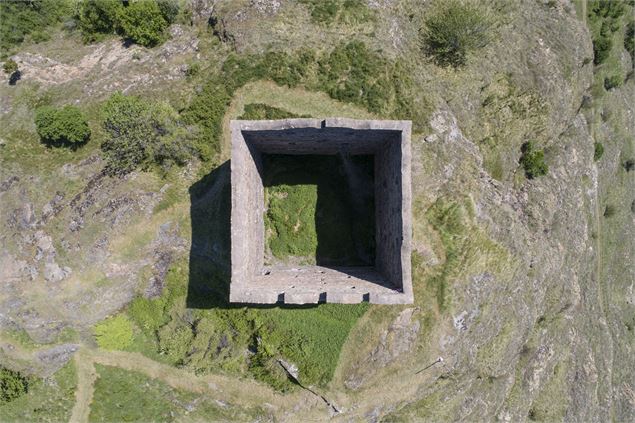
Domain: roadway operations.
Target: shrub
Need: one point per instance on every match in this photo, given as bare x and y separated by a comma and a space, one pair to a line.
62, 127
193, 70
350, 72
327, 12
143, 23
10, 67
114, 333
533, 161
21, 19
602, 46
609, 211
12, 385
355, 74
613, 81
140, 134
169, 10
604, 19
98, 18
598, 151
629, 40
453, 29
629, 165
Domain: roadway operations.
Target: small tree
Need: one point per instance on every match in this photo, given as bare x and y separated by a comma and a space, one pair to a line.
598, 151
12, 385
10, 67
533, 161
453, 29
143, 22
140, 134
97, 18
62, 127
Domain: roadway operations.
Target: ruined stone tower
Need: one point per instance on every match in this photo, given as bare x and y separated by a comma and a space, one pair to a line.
389, 280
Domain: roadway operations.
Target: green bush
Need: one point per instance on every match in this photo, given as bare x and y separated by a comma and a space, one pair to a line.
193, 70
12, 385
140, 135
21, 19
598, 151
612, 81
114, 333
327, 12
453, 29
629, 40
143, 22
533, 161
10, 66
602, 46
169, 10
98, 18
66, 126
604, 20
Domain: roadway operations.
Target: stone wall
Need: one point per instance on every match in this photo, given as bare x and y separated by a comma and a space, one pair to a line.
389, 281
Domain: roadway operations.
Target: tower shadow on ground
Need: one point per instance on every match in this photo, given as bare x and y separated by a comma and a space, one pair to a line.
210, 250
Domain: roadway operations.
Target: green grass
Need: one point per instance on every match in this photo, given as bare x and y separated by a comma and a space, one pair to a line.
48, 400
290, 220
351, 72
313, 212
128, 396
114, 333
29, 21
260, 111
215, 336
465, 246
349, 12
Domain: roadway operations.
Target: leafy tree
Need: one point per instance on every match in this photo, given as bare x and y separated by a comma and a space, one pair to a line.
66, 126
533, 161
143, 22
12, 385
10, 67
30, 18
453, 29
169, 10
98, 18
114, 333
629, 40
140, 134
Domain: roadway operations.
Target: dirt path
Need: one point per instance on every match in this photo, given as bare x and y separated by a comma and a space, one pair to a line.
86, 376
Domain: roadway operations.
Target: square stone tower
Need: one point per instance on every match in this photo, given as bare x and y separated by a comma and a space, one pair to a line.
389, 280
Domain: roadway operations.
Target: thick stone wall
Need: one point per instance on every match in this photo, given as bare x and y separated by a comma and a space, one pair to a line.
389, 281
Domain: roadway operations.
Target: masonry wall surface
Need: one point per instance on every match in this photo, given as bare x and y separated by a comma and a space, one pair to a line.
389, 281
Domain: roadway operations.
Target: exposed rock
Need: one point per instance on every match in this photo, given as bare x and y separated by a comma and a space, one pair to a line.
54, 273
55, 358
